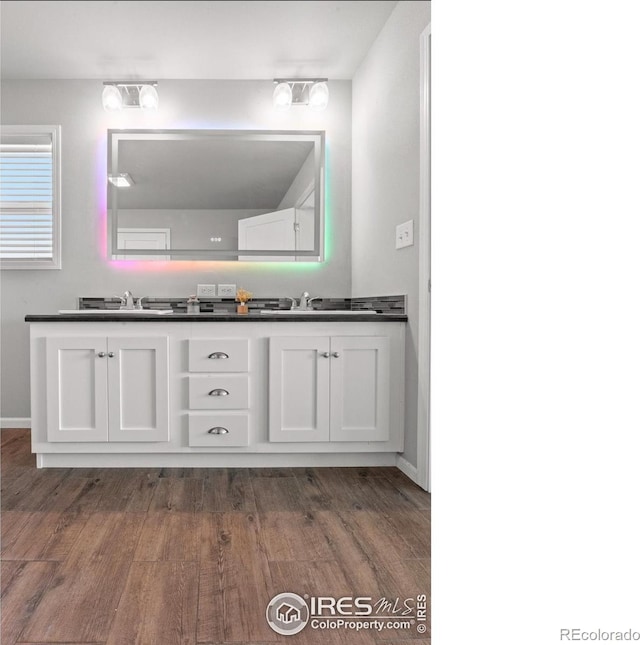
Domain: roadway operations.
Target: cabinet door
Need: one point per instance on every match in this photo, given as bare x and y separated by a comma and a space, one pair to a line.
359, 388
76, 385
299, 389
138, 389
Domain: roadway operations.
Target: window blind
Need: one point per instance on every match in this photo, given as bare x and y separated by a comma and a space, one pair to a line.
28, 226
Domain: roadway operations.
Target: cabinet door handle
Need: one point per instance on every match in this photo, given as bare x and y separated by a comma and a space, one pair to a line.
111, 354
335, 354
218, 355
324, 354
101, 354
217, 430
219, 392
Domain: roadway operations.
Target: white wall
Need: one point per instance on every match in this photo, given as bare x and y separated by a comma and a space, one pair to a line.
302, 181
76, 106
385, 179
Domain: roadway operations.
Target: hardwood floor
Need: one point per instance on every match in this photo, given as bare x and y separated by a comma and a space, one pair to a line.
184, 556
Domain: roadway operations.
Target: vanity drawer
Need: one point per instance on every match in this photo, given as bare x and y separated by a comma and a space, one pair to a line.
220, 392
209, 430
219, 355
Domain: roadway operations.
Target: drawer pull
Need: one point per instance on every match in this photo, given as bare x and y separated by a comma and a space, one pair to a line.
217, 430
324, 354
218, 355
219, 392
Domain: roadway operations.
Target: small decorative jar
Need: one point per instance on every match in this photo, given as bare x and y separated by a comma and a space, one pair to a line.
242, 308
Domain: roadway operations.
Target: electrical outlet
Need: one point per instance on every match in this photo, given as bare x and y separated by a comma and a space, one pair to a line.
227, 290
206, 291
404, 234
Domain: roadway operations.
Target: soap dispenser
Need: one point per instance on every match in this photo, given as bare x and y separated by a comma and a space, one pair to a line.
193, 305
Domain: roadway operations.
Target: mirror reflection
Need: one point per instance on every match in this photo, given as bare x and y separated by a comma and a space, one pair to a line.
216, 194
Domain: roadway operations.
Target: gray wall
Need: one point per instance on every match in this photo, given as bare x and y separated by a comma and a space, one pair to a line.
385, 177
76, 106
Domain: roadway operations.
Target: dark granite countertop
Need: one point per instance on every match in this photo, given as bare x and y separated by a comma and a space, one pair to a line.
115, 316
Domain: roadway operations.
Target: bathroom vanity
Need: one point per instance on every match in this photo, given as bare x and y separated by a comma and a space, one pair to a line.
219, 390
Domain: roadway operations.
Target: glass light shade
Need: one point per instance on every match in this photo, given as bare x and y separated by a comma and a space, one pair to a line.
111, 98
319, 96
282, 96
123, 180
148, 97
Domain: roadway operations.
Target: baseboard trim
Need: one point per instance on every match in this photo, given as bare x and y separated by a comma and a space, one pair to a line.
15, 422
408, 469
210, 460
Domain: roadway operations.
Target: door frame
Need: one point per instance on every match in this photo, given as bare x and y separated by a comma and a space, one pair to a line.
424, 267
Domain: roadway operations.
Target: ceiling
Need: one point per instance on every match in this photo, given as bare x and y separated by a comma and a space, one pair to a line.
187, 40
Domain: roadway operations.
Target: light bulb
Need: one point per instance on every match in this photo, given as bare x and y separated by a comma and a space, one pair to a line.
111, 98
282, 96
319, 96
148, 97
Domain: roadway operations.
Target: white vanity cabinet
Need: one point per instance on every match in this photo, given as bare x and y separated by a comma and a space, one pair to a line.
331, 388
205, 392
107, 389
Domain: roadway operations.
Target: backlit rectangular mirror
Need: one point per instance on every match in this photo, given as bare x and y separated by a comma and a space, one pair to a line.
247, 195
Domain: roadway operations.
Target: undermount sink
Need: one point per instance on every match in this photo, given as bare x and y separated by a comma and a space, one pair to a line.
109, 312
316, 312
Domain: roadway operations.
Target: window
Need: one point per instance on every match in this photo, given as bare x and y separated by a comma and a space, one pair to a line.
30, 197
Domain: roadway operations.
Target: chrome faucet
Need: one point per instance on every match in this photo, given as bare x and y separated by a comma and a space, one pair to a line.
127, 301
304, 301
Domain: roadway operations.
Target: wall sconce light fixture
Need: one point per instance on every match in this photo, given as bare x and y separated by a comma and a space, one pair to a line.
117, 95
313, 92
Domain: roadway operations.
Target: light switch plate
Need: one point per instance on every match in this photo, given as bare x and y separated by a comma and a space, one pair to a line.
404, 234
227, 290
206, 291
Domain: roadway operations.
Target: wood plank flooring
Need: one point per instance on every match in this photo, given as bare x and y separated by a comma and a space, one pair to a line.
179, 556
